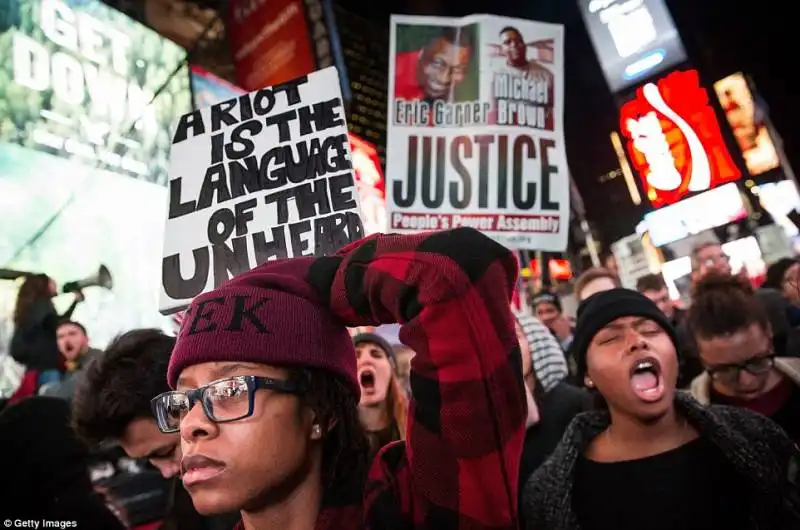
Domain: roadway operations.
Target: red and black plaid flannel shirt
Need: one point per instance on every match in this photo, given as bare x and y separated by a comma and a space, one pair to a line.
458, 468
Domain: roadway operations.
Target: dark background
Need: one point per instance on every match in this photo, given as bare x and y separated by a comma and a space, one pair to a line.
720, 37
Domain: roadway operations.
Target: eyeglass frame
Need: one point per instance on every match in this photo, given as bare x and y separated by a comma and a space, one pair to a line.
716, 373
253, 382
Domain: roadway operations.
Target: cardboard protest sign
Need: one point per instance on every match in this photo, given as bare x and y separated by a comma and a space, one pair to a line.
476, 129
263, 176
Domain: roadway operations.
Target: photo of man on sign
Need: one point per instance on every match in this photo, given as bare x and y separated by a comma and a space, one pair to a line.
436, 63
523, 87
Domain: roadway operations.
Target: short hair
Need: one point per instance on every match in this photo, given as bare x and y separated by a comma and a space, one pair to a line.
510, 28
456, 36
650, 282
118, 385
73, 323
723, 305
590, 275
697, 249
777, 271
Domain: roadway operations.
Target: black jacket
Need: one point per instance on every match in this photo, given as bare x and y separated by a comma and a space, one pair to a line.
34, 341
47, 467
557, 409
756, 447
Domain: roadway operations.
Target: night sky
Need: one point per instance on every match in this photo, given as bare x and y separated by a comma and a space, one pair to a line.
720, 39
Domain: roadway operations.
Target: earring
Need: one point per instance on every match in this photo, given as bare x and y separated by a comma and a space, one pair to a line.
316, 430
589, 383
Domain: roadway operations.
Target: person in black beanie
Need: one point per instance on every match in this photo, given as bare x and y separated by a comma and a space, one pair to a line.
653, 454
47, 468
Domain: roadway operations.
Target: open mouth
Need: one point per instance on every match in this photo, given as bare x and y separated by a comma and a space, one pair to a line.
367, 380
646, 380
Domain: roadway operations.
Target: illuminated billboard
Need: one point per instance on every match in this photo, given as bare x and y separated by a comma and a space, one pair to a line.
209, 89
79, 81
65, 219
633, 39
674, 140
748, 124
696, 214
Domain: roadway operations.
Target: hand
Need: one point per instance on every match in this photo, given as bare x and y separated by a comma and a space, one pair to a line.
178, 318
561, 327
79, 297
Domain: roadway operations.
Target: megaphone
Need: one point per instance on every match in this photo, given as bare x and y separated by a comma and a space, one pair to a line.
11, 274
102, 278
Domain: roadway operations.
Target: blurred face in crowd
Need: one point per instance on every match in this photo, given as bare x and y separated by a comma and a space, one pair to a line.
374, 373
633, 364
596, 286
513, 47
528, 377
711, 259
740, 364
790, 284
243, 463
442, 68
548, 313
527, 360
662, 299
72, 341
143, 439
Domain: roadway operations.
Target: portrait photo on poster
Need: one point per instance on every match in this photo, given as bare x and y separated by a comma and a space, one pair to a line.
475, 136
520, 81
436, 75
263, 176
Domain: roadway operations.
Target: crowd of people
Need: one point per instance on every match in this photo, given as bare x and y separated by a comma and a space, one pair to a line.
396, 385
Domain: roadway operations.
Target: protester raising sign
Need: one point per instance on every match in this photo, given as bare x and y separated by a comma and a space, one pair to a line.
475, 132
263, 176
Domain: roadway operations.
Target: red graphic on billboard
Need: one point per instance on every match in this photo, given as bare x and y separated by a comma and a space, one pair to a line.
371, 184
674, 139
269, 41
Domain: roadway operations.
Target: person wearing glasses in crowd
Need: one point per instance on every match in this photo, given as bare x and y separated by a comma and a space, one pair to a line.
708, 257
653, 457
112, 405
734, 342
265, 389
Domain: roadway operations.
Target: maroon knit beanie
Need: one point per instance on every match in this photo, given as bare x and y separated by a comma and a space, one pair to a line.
269, 315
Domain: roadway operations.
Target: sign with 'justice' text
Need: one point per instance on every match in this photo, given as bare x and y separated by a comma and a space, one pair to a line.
475, 131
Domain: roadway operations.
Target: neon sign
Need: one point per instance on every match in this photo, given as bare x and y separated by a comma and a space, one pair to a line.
674, 139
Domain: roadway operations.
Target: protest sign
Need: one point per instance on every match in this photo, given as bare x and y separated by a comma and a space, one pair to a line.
262, 176
475, 132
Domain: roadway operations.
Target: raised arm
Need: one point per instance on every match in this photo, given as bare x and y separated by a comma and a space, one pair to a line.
450, 291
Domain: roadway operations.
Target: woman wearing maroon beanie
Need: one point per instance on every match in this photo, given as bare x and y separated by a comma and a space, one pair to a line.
266, 393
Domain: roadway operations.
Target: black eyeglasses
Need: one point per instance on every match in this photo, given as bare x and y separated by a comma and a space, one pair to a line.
730, 372
223, 401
